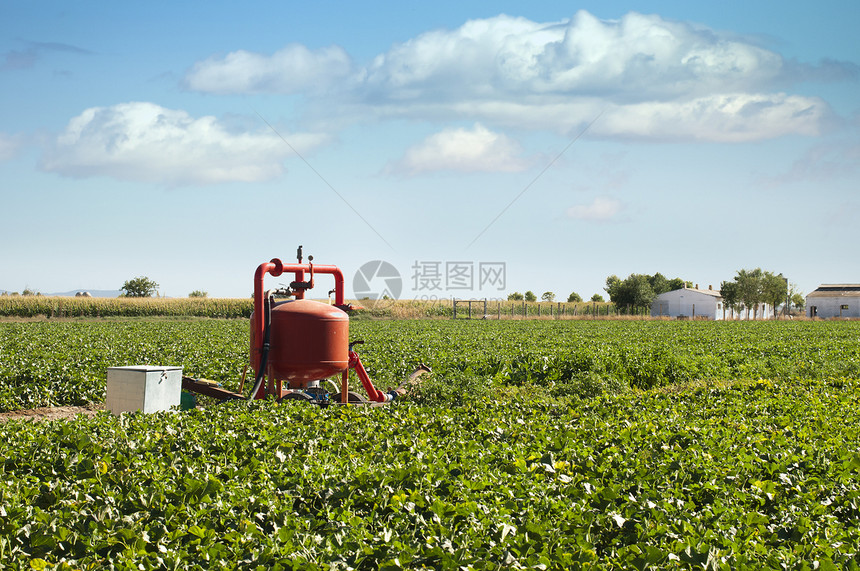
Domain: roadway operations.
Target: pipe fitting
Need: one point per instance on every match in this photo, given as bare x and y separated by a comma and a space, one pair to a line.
278, 269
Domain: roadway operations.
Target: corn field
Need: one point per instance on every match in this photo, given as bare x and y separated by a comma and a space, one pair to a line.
60, 307
96, 307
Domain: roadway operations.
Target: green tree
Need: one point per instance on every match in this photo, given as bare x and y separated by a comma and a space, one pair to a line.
774, 290
798, 301
574, 298
530, 296
613, 286
729, 293
597, 297
658, 283
635, 291
516, 296
198, 293
750, 289
139, 287
548, 296
641, 291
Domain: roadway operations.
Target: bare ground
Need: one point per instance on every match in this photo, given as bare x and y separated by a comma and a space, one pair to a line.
51, 413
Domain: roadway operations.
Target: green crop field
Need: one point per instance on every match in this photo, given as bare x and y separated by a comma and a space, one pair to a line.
534, 444
59, 363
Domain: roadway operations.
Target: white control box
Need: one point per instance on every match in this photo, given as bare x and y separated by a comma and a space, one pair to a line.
144, 388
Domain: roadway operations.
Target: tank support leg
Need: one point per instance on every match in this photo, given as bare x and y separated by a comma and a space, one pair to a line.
344, 387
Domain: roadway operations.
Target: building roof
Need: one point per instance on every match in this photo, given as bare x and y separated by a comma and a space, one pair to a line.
836, 290
712, 292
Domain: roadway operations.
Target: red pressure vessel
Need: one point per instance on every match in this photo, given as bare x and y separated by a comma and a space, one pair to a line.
308, 341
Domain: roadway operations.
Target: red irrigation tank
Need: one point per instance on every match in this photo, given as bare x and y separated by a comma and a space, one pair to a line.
298, 342
309, 341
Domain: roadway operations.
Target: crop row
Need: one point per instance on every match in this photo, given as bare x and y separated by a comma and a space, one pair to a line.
60, 307
534, 445
64, 363
758, 475
65, 307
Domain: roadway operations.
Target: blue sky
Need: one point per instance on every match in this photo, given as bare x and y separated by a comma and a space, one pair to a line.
568, 141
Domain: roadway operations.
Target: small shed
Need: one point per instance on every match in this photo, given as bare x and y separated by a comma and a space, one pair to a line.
834, 300
689, 303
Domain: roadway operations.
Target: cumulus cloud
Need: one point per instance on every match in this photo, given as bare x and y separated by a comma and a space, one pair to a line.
601, 209
145, 142
293, 69
731, 117
462, 150
637, 57
652, 78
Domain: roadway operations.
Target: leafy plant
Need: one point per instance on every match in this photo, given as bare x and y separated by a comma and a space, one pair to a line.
65, 362
745, 475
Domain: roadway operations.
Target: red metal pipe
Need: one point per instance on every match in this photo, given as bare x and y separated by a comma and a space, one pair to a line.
276, 267
372, 392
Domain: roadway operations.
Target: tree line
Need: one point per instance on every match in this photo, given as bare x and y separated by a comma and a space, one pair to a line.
550, 296
749, 289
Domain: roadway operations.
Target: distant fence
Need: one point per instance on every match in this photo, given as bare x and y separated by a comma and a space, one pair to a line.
497, 309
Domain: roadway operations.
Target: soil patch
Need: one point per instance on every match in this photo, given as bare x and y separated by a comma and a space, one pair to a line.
51, 413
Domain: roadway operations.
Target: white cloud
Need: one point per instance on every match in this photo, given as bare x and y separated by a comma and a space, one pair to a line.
637, 57
145, 142
9, 145
292, 69
463, 150
733, 117
652, 78
600, 209
655, 78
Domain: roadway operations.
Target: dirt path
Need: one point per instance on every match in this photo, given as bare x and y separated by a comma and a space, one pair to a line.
51, 413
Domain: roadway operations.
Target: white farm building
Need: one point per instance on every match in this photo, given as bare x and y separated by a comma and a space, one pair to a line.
834, 300
688, 303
